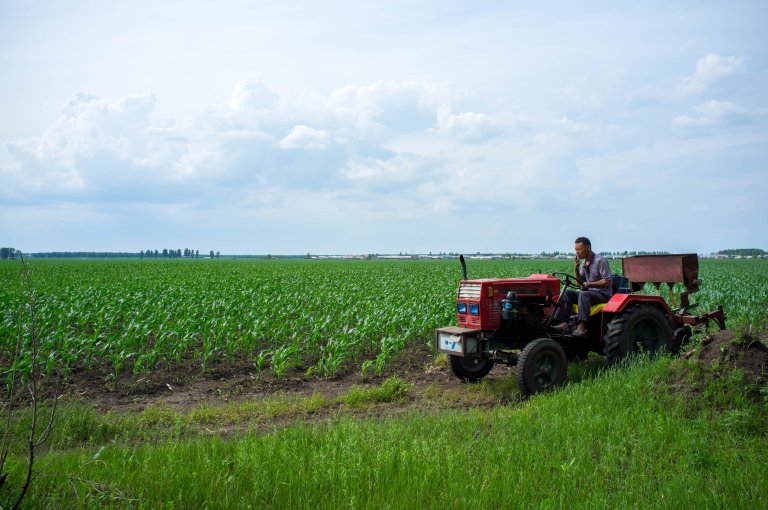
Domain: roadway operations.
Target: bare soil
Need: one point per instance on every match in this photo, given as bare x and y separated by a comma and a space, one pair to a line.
726, 354
184, 386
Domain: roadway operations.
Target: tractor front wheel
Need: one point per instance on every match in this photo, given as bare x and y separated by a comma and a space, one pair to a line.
469, 368
541, 366
640, 328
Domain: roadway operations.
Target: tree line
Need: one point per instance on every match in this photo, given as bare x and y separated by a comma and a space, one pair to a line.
8, 253
167, 253
172, 254
743, 252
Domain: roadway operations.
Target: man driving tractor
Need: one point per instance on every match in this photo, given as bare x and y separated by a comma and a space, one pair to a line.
594, 279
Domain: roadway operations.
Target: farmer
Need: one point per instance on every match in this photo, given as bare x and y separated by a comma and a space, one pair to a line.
594, 279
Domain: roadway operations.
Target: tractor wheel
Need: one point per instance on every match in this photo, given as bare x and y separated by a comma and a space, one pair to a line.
469, 368
639, 328
541, 366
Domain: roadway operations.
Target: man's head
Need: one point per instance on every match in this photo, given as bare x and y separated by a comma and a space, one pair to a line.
583, 247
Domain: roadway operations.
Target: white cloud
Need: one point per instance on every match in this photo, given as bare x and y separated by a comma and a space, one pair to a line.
305, 137
96, 147
714, 113
710, 69
401, 106
467, 126
400, 168
118, 150
569, 126
252, 95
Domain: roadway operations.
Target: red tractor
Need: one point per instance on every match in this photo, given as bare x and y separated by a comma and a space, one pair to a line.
507, 321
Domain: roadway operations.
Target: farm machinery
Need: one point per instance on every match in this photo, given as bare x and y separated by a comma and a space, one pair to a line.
507, 321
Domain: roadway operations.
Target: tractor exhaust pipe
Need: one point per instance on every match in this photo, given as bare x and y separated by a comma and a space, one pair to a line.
463, 267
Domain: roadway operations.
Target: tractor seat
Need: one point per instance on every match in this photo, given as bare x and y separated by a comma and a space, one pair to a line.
593, 310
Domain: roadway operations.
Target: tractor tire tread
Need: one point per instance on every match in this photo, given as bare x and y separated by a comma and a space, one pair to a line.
455, 364
531, 350
615, 339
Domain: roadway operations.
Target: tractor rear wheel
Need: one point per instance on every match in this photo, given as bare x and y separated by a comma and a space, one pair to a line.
469, 368
541, 366
639, 328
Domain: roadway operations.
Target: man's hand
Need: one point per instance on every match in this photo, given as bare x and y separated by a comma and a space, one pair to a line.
576, 270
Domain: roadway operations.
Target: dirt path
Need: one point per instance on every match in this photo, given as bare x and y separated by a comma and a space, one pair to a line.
185, 386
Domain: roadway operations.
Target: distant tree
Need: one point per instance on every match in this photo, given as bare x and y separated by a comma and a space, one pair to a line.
211, 253
197, 254
141, 254
218, 253
165, 253
742, 252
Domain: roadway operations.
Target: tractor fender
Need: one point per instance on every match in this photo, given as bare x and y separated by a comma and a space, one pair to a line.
619, 302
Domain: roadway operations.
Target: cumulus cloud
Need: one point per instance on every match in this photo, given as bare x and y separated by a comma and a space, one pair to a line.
398, 168
251, 95
305, 137
710, 69
467, 126
713, 113
119, 150
96, 147
401, 106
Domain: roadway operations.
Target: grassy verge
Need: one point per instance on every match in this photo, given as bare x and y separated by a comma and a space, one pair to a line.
79, 425
617, 440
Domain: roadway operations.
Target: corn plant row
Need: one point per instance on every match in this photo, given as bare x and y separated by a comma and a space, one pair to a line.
320, 315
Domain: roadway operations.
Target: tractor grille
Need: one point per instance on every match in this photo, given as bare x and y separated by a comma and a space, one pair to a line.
494, 315
469, 291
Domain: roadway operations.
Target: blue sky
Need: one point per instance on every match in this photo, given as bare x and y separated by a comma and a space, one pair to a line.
362, 127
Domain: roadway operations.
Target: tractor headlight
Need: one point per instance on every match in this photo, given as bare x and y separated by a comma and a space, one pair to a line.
474, 308
461, 307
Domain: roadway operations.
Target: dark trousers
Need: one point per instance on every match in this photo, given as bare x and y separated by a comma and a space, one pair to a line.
584, 298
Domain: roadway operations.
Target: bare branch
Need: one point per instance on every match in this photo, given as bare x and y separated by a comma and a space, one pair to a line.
35, 386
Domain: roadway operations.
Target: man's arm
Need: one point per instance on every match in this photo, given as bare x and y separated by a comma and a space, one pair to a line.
599, 284
604, 270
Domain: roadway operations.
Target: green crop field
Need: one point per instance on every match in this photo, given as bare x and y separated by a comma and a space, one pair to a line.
652, 433
131, 315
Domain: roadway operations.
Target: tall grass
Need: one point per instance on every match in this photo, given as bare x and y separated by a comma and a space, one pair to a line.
614, 441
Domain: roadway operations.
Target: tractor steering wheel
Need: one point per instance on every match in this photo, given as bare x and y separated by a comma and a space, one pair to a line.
567, 280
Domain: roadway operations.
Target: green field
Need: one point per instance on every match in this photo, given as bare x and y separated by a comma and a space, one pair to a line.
618, 440
325, 315
662, 433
